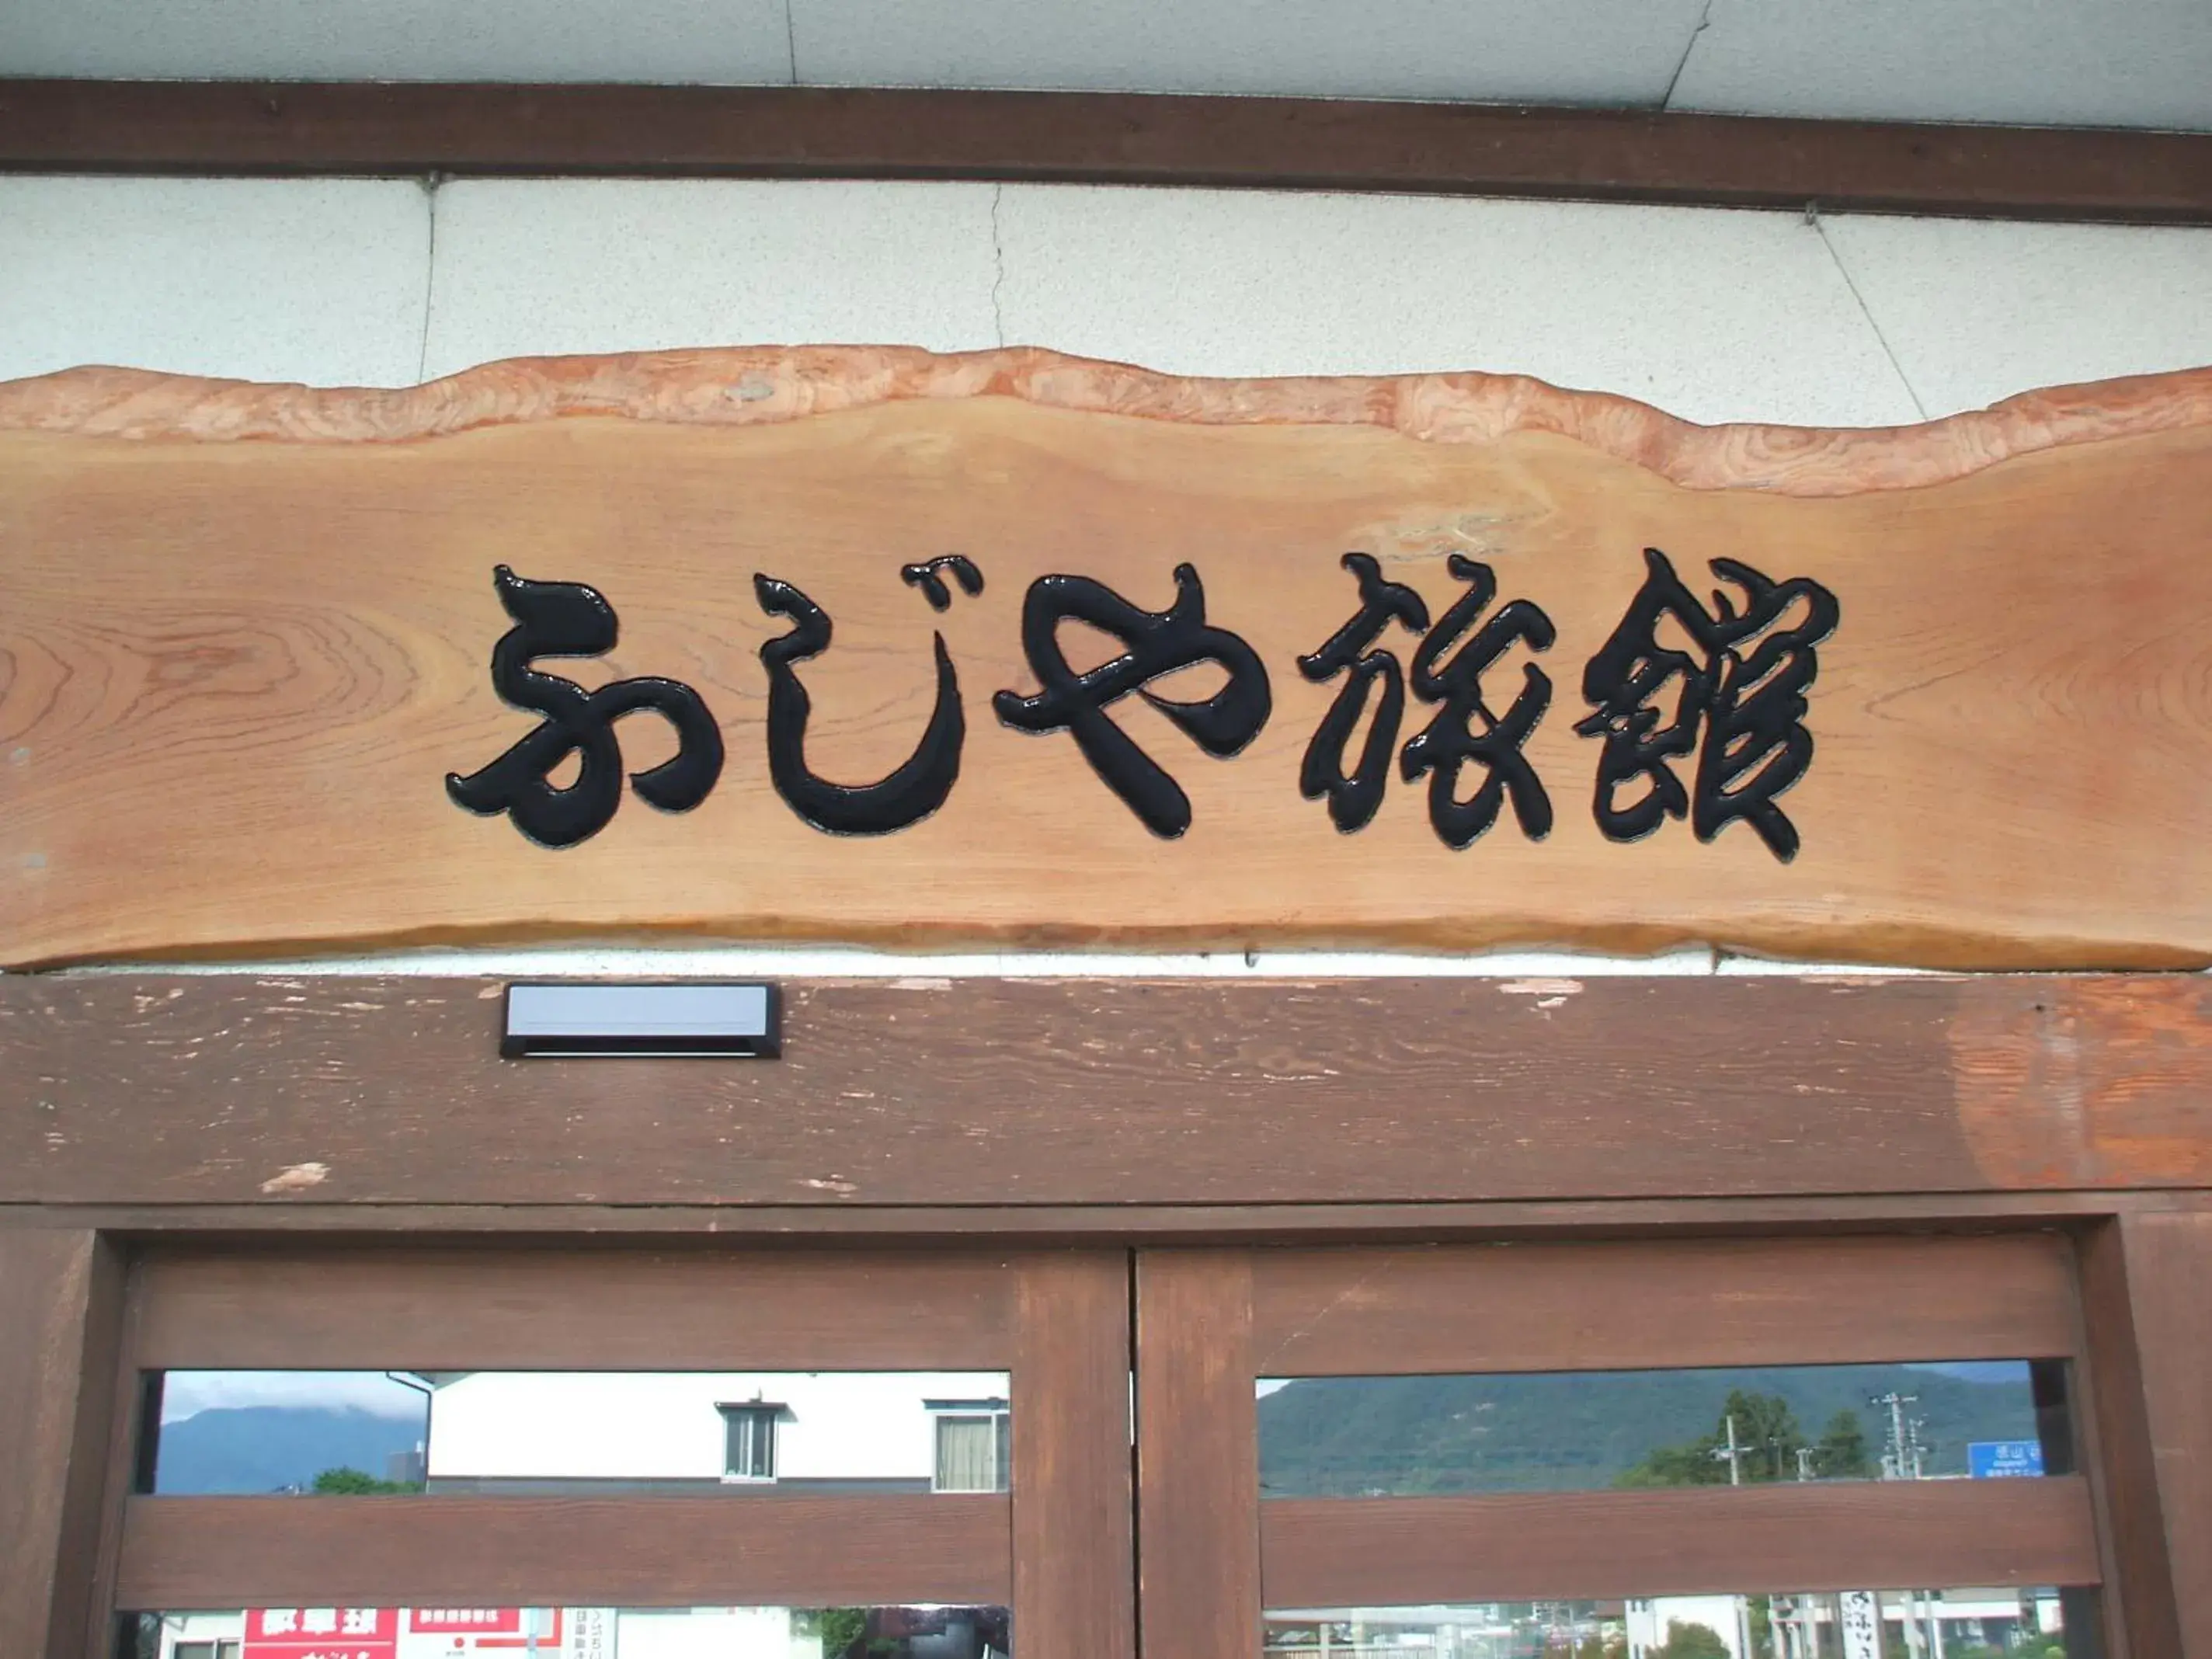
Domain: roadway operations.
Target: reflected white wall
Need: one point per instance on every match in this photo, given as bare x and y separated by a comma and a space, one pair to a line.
585, 1426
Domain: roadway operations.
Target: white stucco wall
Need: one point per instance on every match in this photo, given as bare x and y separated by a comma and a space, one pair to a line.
849, 1425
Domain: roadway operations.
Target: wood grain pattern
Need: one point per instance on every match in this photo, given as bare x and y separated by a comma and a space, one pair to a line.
1664, 1304
1280, 144
776, 1550
1375, 1552
1074, 1549
335, 1094
773, 385
284, 643
60, 1299
2052, 1089
433, 1310
1198, 1456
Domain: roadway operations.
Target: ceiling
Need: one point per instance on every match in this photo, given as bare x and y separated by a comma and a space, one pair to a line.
2110, 63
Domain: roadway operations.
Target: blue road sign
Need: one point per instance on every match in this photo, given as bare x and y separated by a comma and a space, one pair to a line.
1996, 1460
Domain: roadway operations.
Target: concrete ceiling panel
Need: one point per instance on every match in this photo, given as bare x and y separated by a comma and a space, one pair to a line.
738, 42
1557, 51
2054, 63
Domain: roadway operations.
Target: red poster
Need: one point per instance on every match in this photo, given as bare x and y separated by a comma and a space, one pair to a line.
321, 1634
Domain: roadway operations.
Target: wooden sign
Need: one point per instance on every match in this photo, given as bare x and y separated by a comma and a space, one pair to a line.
869, 645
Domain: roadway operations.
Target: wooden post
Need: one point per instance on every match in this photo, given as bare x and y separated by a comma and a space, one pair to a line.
1073, 1580
2149, 1327
1198, 1488
60, 1323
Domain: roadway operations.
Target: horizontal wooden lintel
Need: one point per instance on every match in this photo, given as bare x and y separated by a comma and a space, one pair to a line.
342, 1226
179, 1553
1812, 1097
1283, 144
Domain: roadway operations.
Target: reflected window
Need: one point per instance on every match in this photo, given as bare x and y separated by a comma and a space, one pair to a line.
973, 1443
1377, 1436
2017, 1624
749, 1440
755, 1632
576, 1433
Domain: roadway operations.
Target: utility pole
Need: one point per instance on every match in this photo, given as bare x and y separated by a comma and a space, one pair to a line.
1732, 1454
1899, 1461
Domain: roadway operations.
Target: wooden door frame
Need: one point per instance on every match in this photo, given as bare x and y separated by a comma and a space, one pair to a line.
1057, 1548
1212, 1322
146, 1110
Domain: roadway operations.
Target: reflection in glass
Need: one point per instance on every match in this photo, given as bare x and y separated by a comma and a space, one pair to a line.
523, 1433
1580, 1430
1957, 1623
902, 1632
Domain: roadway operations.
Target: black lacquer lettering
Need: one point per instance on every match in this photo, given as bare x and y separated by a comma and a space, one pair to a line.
1740, 706
1353, 800
926, 577
908, 795
1451, 740
568, 619
1158, 642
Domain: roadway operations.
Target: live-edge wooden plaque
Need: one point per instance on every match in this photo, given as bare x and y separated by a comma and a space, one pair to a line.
869, 645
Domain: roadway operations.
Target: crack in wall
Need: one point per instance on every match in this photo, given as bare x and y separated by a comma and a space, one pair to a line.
1705, 22
432, 183
1813, 219
998, 267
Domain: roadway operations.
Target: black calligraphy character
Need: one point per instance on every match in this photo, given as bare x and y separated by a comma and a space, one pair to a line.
926, 577
908, 795
1353, 800
1158, 642
1740, 706
567, 619
1451, 740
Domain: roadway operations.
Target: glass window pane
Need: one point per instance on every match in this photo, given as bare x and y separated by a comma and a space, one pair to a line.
1567, 1432
967, 1453
1964, 1623
523, 1433
886, 1632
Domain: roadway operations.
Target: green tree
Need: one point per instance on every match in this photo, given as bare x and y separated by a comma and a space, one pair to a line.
342, 1482
1691, 1642
1760, 1610
1767, 1440
1842, 1453
840, 1629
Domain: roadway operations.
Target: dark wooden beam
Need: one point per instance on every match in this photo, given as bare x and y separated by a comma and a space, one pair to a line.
1280, 143
2149, 1328
344, 1227
345, 1094
1200, 1594
60, 1312
780, 1549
